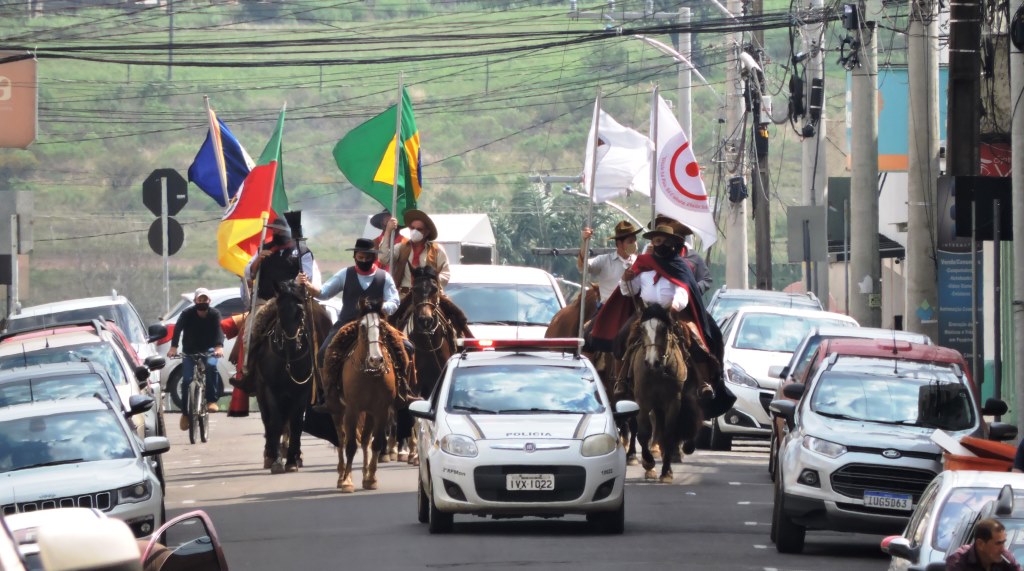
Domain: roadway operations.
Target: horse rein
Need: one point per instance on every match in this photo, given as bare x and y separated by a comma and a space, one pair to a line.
279, 337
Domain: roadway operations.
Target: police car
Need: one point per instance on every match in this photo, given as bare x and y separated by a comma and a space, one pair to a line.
521, 428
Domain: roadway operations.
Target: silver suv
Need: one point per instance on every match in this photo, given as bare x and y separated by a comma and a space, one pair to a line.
858, 452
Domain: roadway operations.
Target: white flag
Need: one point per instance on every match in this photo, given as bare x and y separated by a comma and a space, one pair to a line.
623, 160
680, 193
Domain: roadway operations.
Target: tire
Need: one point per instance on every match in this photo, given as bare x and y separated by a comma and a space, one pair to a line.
439, 521
204, 427
773, 456
174, 388
194, 416
422, 504
788, 536
719, 441
612, 523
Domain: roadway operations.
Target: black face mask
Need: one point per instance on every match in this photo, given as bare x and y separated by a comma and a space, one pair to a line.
281, 240
364, 266
202, 306
665, 250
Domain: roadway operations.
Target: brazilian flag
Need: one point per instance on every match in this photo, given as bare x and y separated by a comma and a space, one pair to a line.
366, 156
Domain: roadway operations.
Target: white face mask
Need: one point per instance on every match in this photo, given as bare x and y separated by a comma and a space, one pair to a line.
416, 236
630, 249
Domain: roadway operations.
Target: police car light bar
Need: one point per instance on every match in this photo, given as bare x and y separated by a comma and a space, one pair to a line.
552, 344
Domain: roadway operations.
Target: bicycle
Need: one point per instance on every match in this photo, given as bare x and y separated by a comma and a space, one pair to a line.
199, 416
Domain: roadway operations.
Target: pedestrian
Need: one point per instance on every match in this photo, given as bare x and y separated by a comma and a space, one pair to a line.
419, 251
988, 551
200, 326
606, 269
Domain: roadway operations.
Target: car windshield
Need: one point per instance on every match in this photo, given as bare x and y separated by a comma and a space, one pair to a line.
960, 501
775, 332
725, 305
99, 353
531, 388
908, 399
505, 304
119, 313
71, 386
64, 438
881, 365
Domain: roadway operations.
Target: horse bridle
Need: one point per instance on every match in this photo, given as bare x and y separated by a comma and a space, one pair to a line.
279, 337
383, 368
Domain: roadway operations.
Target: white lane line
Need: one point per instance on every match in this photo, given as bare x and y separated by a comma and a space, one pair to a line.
760, 546
750, 523
743, 503
189, 486
188, 501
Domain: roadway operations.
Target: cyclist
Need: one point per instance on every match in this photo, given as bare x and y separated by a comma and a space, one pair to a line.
200, 324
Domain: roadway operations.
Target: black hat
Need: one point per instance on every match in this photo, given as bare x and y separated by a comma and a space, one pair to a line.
294, 219
664, 230
678, 228
379, 219
280, 227
364, 245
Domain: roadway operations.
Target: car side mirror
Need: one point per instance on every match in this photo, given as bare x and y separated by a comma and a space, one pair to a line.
138, 404
778, 371
793, 391
142, 375
155, 362
188, 541
421, 409
154, 445
784, 408
157, 331
994, 407
1002, 432
106, 544
900, 547
625, 409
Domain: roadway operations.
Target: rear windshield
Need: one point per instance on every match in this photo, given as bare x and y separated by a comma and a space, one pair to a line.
960, 502
910, 399
125, 318
100, 353
65, 438
727, 305
505, 304
781, 333
52, 388
511, 389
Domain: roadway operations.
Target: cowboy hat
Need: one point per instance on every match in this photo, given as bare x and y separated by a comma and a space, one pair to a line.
280, 226
681, 230
625, 229
294, 219
413, 215
666, 231
364, 245
379, 219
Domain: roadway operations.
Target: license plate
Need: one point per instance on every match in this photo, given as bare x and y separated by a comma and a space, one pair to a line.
887, 500
529, 482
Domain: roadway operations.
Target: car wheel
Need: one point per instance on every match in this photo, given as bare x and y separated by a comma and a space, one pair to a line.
612, 523
773, 456
439, 521
174, 387
422, 503
719, 441
788, 536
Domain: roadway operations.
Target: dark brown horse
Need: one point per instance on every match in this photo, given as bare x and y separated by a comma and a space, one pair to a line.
566, 323
368, 377
665, 376
285, 334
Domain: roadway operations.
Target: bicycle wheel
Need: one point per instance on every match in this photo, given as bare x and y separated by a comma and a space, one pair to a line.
203, 415
195, 405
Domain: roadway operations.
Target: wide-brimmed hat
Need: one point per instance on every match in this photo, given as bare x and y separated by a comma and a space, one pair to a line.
379, 219
681, 230
364, 245
664, 230
413, 215
280, 226
625, 229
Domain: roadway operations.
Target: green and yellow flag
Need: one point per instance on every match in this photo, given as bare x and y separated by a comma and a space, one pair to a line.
366, 156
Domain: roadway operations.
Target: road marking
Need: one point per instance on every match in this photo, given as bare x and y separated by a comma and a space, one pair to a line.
188, 501
189, 486
743, 503
760, 546
750, 523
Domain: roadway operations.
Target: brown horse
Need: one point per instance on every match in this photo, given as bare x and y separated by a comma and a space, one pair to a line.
566, 323
368, 374
665, 377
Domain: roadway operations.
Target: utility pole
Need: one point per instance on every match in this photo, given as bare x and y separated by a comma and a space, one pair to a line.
865, 262
1017, 190
923, 165
814, 163
759, 102
170, 40
734, 153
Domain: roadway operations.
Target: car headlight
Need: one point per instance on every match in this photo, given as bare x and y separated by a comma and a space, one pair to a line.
135, 493
459, 445
737, 376
599, 445
824, 447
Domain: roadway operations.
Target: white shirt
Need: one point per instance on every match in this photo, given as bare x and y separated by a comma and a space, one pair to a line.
607, 269
663, 292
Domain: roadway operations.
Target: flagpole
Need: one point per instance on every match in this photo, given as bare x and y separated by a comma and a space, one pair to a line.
218, 149
654, 156
585, 249
246, 340
394, 184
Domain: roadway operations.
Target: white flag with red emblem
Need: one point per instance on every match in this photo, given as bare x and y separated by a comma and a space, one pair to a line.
623, 160
680, 192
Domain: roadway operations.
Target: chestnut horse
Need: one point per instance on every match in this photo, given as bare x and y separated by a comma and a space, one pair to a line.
566, 323
665, 369
368, 377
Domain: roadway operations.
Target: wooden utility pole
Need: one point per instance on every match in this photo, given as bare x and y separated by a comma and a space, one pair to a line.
761, 184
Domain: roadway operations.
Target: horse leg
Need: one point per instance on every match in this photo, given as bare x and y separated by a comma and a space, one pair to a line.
627, 433
345, 481
404, 429
273, 428
390, 439
669, 439
339, 427
690, 422
414, 451
294, 458
644, 429
369, 455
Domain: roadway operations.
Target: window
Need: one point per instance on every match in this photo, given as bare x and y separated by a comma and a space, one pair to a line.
52, 388
85, 436
779, 333
231, 306
959, 503
505, 304
513, 389
99, 353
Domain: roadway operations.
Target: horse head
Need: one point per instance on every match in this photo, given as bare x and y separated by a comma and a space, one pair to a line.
590, 301
656, 328
369, 330
291, 302
370, 305
425, 293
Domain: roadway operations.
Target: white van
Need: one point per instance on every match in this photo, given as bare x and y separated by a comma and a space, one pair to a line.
505, 302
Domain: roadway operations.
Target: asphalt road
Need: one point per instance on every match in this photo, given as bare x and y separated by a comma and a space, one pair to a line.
716, 515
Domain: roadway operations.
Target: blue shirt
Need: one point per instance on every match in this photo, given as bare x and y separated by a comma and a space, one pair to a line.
336, 285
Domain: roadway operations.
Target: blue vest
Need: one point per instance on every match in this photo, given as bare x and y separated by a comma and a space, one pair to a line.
353, 292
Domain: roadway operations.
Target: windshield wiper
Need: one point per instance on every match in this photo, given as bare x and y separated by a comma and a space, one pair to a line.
475, 409
538, 411
52, 463
840, 416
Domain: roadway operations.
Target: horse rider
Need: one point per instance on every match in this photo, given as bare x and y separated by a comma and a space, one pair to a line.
606, 269
200, 325
380, 221
663, 278
282, 259
364, 279
698, 266
419, 251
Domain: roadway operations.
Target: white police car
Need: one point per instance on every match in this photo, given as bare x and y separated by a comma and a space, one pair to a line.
521, 428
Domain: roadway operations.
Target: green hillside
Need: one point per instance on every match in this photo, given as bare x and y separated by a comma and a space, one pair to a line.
501, 91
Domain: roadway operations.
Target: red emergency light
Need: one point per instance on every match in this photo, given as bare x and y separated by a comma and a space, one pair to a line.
573, 344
